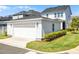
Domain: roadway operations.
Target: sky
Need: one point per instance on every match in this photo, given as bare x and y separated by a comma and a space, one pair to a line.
12, 9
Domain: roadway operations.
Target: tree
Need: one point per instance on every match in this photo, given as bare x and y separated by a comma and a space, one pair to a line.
75, 22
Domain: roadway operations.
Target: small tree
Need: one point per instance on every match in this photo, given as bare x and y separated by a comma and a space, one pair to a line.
75, 23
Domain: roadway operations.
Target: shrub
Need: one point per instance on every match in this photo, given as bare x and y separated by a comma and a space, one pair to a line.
70, 29
54, 35
5, 33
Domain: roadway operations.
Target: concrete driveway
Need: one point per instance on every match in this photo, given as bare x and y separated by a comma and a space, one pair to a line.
14, 41
15, 46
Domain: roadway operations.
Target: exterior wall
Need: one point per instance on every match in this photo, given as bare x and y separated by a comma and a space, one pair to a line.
47, 26
52, 16
3, 29
38, 26
33, 31
10, 29
68, 17
17, 17
57, 26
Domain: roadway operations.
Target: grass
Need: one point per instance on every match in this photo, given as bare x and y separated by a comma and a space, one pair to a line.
3, 36
63, 43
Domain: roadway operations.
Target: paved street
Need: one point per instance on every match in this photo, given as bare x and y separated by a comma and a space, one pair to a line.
6, 49
14, 46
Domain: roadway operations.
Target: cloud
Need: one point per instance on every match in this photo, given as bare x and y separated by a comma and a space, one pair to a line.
2, 8
25, 7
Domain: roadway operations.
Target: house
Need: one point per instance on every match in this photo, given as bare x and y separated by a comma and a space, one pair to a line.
33, 24
3, 24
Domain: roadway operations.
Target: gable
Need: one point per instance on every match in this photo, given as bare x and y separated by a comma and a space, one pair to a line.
55, 9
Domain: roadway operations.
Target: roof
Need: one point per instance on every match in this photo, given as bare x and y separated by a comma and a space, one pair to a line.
5, 18
53, 9
27, 12
28, 17
35, 19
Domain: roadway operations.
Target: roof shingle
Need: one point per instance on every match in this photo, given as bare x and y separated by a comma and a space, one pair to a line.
53, 9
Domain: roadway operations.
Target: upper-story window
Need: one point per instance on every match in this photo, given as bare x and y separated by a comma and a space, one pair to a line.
58, 14
46, 15
61, 14
55, 14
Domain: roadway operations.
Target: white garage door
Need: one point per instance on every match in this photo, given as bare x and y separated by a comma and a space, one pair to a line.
25, 31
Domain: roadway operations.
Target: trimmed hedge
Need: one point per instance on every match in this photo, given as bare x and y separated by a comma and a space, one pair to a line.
70, 29
54, 35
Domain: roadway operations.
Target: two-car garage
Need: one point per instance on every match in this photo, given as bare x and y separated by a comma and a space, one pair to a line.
22, 30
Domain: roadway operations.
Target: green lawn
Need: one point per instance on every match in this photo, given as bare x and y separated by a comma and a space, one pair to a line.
3, 36
66, 42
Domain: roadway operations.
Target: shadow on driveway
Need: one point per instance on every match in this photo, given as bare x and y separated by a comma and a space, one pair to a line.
6, 49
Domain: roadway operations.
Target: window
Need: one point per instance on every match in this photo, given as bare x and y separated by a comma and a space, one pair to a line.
58, 14
53, 27
46, 15
55, 14
61, 14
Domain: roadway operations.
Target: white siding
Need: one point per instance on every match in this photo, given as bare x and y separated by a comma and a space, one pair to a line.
38, 30
57, 26
68, 17
20, 16
17, 16
52, 16
10, 29
47, 26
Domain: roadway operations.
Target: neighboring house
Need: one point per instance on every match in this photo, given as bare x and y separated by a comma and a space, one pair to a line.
3, 24
33, 25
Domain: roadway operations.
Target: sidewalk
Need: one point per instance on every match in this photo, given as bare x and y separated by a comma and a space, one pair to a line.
71, 51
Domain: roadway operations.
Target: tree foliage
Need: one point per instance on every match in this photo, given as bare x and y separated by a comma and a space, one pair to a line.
75, 22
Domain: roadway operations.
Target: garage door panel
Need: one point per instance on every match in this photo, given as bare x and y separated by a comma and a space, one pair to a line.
25, 32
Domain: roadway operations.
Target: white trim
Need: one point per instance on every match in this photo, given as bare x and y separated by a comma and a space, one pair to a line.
61, 25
